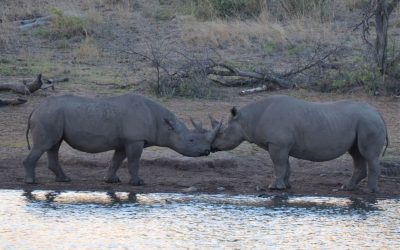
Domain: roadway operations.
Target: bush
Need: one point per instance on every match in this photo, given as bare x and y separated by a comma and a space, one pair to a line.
322, 9
67, 26
63, 26
185, 87
208, 9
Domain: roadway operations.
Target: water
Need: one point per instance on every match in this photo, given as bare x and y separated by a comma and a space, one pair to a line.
97, 220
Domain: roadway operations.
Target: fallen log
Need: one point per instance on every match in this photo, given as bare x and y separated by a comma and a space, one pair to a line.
35, 22
15, 101
23, 88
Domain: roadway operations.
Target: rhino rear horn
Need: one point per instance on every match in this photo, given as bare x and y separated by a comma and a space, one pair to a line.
214, 132
197, 126
214, 122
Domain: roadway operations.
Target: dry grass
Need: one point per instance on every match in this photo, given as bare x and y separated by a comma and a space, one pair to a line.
87, 51
219, 33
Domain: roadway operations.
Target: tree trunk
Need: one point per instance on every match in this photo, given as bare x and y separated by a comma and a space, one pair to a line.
382, 12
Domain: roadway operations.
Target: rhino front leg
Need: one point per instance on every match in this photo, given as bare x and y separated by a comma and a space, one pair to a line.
287, 175
116, 161
54, 164
134, 151
280, 158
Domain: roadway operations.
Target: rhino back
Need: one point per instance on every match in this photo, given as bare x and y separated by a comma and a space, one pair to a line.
310, 130
99, 124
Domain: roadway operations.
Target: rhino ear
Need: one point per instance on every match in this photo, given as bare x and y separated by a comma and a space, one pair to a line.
234, 112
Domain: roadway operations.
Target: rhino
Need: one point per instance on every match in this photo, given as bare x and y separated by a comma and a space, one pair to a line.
286, 126
125, 124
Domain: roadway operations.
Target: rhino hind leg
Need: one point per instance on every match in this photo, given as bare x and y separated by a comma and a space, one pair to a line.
280, 158
373, 175
134, 152
54, 164
359, 170
116, 161
30, 164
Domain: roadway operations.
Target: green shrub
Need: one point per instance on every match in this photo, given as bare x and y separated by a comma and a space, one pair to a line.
63, 26
67, 26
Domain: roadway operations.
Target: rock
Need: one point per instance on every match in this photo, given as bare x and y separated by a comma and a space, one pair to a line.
220, 188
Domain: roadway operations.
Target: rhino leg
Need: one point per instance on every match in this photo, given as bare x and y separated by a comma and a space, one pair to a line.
373, 175
134, 151
30, 164
359, 170
116, 161
54, 165
287, 175
280, 158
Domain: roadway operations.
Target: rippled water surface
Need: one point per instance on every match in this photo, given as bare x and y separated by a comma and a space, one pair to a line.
96, 220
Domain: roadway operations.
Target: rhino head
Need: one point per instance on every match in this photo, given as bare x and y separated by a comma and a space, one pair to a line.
229, 136
191, 142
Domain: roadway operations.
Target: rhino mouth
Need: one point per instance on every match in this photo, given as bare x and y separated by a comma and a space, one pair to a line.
205, 153
213, 150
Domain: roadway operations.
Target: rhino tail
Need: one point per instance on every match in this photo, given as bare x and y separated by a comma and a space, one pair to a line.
387, 136
387, 143
27, 130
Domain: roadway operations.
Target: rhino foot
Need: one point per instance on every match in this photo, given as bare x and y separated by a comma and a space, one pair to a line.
138, 182
113, 179
277, 185
29, 180
371, 190
63, 179
348, 187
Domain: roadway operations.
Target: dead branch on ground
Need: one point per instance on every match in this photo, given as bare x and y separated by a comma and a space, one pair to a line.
15, 101
35, 22
23, 88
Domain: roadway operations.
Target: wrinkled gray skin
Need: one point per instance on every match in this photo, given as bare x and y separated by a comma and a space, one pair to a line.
126, 124
285, 126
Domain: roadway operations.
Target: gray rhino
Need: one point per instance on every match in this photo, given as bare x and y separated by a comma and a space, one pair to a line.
286, 126
126, 124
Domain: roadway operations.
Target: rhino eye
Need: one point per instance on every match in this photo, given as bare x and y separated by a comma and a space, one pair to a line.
191, 140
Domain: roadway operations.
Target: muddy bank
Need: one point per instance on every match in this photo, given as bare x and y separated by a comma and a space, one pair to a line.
166, 171
244, 170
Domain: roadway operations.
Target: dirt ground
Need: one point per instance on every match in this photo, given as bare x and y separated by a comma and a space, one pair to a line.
244, 170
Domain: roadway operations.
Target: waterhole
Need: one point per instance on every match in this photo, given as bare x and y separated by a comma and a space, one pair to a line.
120, 220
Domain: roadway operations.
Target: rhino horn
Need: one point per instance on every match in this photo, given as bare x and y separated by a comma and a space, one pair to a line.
214, 122
197, 126
213, 133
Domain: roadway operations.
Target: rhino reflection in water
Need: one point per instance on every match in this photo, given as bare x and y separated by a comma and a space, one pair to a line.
126, 124
286, 126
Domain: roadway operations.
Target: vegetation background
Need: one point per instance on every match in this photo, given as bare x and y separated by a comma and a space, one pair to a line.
124, 43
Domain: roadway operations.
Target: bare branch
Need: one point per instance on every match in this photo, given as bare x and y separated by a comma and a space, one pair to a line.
311, 64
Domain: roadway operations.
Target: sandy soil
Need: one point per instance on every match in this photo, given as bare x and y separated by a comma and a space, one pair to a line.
245, 170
